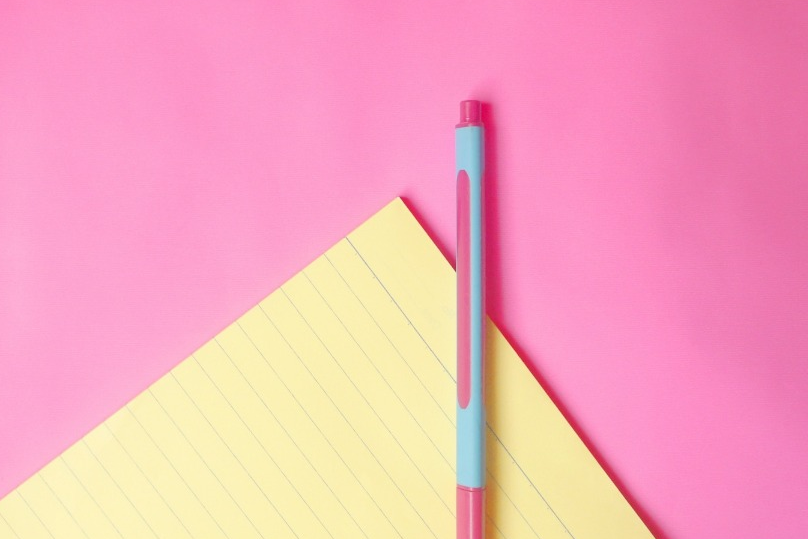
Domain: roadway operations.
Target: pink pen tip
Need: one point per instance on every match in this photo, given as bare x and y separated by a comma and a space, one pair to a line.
470, 113
470, 512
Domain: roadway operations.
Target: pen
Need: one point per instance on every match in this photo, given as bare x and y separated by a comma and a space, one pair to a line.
469, 165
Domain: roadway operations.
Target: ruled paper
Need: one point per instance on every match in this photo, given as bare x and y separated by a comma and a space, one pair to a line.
327, 411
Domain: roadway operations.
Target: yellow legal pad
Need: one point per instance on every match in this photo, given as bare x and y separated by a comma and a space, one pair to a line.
327, 410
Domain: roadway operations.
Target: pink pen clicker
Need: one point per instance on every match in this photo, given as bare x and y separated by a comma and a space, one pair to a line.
469, 169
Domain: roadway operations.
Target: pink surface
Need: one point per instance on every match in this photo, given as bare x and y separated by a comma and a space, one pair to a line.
164, 165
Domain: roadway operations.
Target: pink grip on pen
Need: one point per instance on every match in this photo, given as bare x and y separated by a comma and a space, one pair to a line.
463, 291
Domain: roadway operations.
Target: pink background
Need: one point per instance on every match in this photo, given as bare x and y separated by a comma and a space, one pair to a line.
164, 165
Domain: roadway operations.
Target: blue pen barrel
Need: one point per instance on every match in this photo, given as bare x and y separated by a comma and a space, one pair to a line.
471, 424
